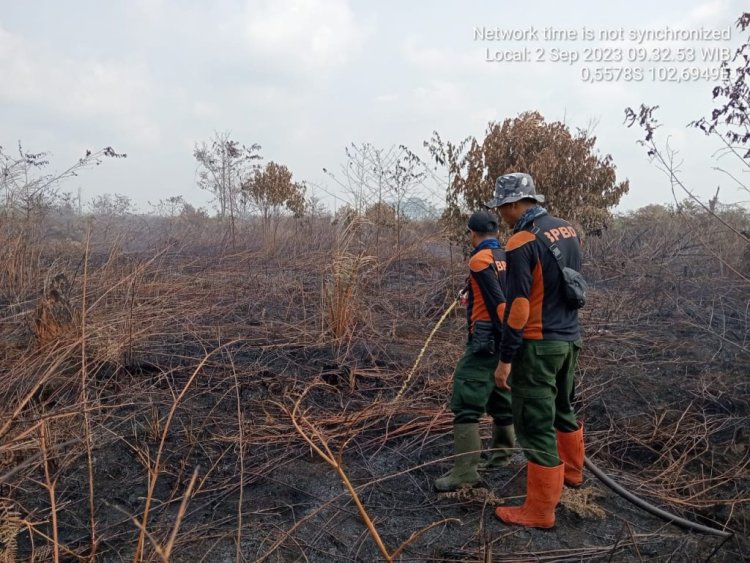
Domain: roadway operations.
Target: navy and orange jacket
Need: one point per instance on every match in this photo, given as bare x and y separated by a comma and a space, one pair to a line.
536, 304
486, 288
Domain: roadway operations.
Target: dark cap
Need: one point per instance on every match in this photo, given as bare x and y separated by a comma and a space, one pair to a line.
483, 222
514, 187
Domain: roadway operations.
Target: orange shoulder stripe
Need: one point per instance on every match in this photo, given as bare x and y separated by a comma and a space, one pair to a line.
519, 239
519, 313
481, 260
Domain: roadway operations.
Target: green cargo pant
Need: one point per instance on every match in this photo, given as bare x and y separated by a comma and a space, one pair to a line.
541, 379
475, 392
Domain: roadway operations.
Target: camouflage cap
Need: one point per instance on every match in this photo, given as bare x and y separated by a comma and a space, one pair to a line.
514, 187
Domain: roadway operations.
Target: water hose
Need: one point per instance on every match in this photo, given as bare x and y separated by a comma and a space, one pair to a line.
663, 514
424, 348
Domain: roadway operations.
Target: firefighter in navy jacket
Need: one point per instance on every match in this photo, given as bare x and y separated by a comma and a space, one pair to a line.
540, 347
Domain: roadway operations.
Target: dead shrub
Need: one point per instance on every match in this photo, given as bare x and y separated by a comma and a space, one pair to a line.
342, 284
54, 315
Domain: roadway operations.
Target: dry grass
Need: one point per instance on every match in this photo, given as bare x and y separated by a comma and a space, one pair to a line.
582, 502
10, 526
152, 415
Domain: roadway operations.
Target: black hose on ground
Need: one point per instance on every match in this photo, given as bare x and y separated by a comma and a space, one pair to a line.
663, 514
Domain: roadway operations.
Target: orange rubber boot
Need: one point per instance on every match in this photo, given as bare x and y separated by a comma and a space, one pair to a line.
543, 489
570, 450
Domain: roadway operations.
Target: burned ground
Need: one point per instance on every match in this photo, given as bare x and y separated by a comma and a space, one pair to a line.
178, 385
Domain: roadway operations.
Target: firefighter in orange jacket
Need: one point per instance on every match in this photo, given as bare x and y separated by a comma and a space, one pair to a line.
474, 390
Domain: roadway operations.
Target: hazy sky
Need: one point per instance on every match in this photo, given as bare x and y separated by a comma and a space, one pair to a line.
304, 78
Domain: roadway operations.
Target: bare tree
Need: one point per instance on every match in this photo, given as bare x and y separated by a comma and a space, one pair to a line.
224, 164
730, 122
381, 182
403, 178
169, 207
26, 191
112, 205
730, 119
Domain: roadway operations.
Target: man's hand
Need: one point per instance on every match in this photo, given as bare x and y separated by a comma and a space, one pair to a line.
501, 376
